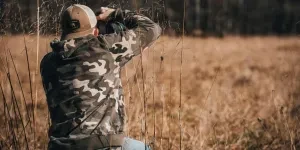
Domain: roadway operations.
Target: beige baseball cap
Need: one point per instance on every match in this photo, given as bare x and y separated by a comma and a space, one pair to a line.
76, 21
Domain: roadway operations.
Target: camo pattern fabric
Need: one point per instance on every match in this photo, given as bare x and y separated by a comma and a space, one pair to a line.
81, 79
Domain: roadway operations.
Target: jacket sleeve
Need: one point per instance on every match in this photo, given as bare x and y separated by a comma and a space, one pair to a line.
141, 33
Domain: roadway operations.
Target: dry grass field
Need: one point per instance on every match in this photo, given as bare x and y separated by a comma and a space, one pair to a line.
236, 93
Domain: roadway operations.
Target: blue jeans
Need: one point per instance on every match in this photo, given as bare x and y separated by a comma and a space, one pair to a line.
131, 144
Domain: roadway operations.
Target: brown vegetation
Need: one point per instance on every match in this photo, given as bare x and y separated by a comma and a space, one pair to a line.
237, 93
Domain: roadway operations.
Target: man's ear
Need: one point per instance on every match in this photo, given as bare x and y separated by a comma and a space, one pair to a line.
96, 31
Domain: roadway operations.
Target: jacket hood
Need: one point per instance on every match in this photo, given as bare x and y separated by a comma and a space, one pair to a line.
68, 47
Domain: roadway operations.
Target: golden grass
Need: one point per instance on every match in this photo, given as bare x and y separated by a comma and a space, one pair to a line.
237, 93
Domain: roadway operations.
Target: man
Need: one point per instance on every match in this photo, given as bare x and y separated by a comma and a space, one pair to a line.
81, 78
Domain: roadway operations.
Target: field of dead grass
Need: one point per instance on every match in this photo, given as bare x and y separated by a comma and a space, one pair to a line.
236, 93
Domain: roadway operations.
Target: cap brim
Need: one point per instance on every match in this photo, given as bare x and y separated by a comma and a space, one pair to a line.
76, 34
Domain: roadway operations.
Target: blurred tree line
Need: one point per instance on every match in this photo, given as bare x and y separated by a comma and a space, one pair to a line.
243, 16
203, 17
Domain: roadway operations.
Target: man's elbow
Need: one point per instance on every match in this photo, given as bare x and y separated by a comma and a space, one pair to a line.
152, 35
156, 31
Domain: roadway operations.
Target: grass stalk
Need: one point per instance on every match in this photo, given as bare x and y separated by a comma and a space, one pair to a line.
162, 100
27, 60
160, 74
18, 113
145, 100
21, 87
14, 139
14, 122
143, 86
37, 66
153, 97
153, 87
30, 81
145, 134
140, 94
170, 99
129, 96
180, 80
162, 122
6, 120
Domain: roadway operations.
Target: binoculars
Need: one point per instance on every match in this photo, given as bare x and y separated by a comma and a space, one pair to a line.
110, 27
115, 22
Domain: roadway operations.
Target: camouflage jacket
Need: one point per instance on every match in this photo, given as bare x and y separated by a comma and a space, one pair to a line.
81, 79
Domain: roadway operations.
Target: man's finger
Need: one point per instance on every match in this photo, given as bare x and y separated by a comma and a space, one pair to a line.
101, 17
104, 9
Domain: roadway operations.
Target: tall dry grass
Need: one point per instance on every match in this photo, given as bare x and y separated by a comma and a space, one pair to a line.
235, 93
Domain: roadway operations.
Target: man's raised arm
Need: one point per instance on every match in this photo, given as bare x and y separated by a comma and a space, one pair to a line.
141, 33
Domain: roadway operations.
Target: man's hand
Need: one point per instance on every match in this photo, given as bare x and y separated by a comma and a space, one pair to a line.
104, 13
